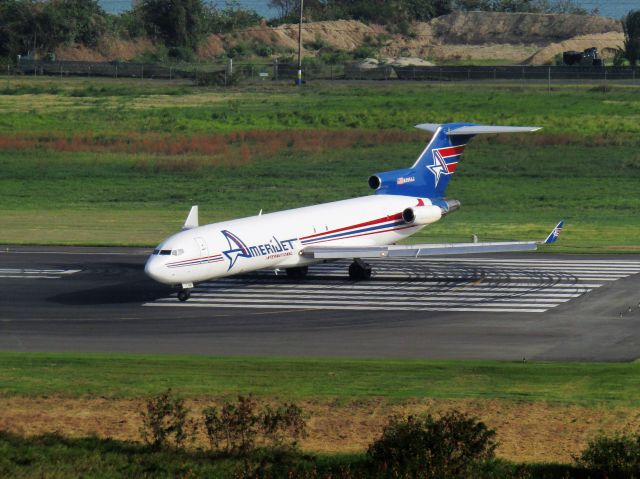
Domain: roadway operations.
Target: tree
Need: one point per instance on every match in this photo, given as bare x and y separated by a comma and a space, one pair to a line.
631, 28
285, 7
177, 22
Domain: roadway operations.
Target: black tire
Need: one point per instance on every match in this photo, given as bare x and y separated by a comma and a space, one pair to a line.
358, 273
184, 294
298, 272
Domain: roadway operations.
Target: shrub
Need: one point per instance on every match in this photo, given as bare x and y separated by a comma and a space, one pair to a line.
165, 418
234, 427
237, 427
283, 426
450, 446
612, 456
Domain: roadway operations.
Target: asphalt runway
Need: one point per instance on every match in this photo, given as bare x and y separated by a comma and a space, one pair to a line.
509, 306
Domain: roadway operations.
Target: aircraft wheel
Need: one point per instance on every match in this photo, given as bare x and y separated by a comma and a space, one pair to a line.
359, 270
298, 272
184, 294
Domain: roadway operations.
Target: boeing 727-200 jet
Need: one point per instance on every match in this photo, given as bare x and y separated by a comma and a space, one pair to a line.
404, 202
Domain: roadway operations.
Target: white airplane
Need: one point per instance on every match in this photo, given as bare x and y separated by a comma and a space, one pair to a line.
404, 202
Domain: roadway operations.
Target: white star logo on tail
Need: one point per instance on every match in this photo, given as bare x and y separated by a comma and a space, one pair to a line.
439, 166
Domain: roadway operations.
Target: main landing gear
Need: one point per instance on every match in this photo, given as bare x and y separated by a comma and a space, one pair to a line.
359, 270
297, 272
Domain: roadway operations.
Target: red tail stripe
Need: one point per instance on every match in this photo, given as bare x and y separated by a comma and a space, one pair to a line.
368, 223
452, 151
451, 167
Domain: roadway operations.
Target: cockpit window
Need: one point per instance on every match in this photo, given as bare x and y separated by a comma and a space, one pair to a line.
177, 252
165, 252
156, 251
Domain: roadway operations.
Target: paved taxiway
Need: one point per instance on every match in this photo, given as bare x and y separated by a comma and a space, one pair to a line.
500, 307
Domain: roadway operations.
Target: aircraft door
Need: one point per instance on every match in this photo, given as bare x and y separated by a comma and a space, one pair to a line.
202, 245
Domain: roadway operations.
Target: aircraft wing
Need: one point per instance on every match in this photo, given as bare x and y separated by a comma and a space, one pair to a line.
418, 250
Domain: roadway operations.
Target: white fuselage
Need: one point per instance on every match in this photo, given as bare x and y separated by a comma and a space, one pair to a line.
275, 240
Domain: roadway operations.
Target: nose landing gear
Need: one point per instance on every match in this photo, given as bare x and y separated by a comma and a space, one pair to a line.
184, 294
359, 270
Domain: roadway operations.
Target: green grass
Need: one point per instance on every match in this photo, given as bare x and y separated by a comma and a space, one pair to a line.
119, 376
584, 166
54, 456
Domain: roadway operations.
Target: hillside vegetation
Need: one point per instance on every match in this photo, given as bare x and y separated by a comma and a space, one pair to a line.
509, 31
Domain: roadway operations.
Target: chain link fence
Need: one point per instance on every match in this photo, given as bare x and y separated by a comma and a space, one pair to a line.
224, 74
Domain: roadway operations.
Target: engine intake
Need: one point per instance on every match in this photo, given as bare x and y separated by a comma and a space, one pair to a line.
374, 182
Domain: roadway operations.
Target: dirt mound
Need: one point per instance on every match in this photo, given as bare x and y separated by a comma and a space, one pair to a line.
606, 43
515, 28
512, 37
108, 49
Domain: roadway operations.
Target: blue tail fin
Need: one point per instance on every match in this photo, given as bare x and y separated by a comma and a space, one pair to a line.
429, 176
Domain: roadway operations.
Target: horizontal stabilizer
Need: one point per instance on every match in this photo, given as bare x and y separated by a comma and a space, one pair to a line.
192, 219
476, 129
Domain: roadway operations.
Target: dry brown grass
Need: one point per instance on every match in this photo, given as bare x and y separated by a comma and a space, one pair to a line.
526, 431
263, 142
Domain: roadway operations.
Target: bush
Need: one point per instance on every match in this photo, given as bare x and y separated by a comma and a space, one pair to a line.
450, 446
283, 426
164, 418
612, 456
236, 428
233, 428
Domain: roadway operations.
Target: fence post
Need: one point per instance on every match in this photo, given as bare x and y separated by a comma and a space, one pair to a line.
142, 72
549, 76
170, 72
116, 70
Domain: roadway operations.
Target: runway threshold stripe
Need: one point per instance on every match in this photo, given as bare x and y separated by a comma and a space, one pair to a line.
37, 271
360, 308
227, 282
291, 302
449, 292
532, 260
24, 276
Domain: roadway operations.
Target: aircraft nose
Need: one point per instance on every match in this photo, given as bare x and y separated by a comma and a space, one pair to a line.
153, 269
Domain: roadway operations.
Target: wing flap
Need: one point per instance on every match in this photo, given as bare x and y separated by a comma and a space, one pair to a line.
415, 251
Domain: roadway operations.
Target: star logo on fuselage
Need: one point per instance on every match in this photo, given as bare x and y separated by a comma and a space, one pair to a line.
439, 166
237, 248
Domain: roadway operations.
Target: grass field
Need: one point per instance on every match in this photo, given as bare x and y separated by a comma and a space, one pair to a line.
126, 159
119, 377
543, 412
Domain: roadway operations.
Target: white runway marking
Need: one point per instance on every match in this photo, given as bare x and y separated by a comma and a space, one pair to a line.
35, 273
459, 285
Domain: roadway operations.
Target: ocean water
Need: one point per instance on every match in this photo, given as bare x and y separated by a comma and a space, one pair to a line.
615, 8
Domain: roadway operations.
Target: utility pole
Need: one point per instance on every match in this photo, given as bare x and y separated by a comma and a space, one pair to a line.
299, 79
